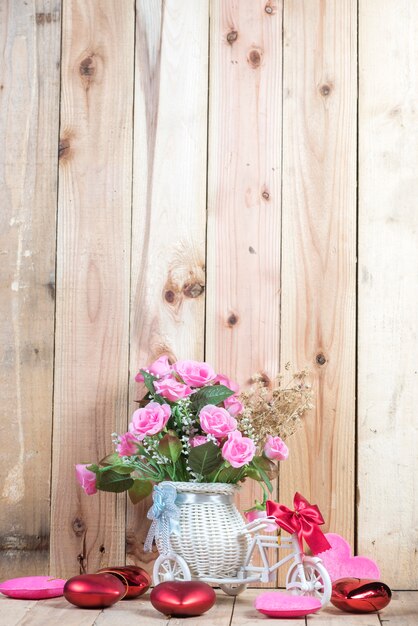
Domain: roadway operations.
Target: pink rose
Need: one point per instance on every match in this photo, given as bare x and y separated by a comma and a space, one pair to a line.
194, 373
86, 478
128, 445
149, 420
250, 516
215, 420
171, 389
238, 450
233, 405
161, 367
224, 380
275, 449
199, 440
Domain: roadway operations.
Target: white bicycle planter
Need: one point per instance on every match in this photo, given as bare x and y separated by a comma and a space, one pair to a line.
306, 575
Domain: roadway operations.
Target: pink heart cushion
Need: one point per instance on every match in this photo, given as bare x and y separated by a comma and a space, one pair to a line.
33, 587
278, 604
340, 564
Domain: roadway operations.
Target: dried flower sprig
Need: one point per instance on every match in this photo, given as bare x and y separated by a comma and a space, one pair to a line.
275, 407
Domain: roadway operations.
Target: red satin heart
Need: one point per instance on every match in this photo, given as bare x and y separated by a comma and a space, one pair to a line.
182, 598
357, 595
94, 591
139, 581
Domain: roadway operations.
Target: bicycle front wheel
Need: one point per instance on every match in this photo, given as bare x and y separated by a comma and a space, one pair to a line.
318, 583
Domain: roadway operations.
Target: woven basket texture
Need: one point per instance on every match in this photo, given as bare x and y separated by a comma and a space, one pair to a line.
208, 539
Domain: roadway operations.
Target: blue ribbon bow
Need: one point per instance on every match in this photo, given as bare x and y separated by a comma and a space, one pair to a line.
165, 516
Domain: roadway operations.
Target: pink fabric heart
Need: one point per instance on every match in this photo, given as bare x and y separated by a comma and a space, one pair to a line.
340, 564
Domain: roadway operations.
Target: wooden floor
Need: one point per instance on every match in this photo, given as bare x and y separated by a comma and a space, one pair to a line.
403, 611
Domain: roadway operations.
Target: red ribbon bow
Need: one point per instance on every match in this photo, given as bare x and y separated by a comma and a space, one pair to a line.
304, 520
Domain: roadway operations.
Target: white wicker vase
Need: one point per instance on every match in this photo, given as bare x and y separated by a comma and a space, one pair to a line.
210, 523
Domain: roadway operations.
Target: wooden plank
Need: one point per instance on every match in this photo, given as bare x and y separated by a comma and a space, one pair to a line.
130, 613
219, 615
243, 254
319, 249
331, 616
388, 298
402, 611
127, 614
246, 615
29, 98
58, 611
13, 611
169, 216
93, 276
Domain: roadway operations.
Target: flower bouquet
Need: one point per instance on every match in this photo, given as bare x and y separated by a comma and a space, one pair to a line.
192, 427
193, 439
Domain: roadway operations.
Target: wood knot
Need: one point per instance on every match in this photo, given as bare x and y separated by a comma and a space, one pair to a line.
320, 359
63, 148
50, 285
265, 195
254, 58
87, 67
193, 290
268, 9
170, 296
232, 320
102, 549
232, 36
46, 18
78, 526
251, 250
325, 90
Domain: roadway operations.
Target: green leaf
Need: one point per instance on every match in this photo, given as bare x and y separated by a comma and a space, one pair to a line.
113, 481
270, 468
229, 475
205, 459
149, 384
140, 490
112, 462
148, 381
110, 459
93, 468
210, 395
257, 472
170, 446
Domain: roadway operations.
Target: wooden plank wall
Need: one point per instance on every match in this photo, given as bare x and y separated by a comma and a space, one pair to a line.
206, 205
388, 281
244, 203
93, 275
29, 117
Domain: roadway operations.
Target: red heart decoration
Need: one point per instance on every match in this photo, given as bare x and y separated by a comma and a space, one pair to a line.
356, 595
94, 591
139, 581
182, 598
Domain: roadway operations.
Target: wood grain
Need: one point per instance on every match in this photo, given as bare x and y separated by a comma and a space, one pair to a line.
169, 197
132, 613
29, 97
12, 612
93, 267
318, 327
243, 254
57, 611
402, 611
331, 616
388, 296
